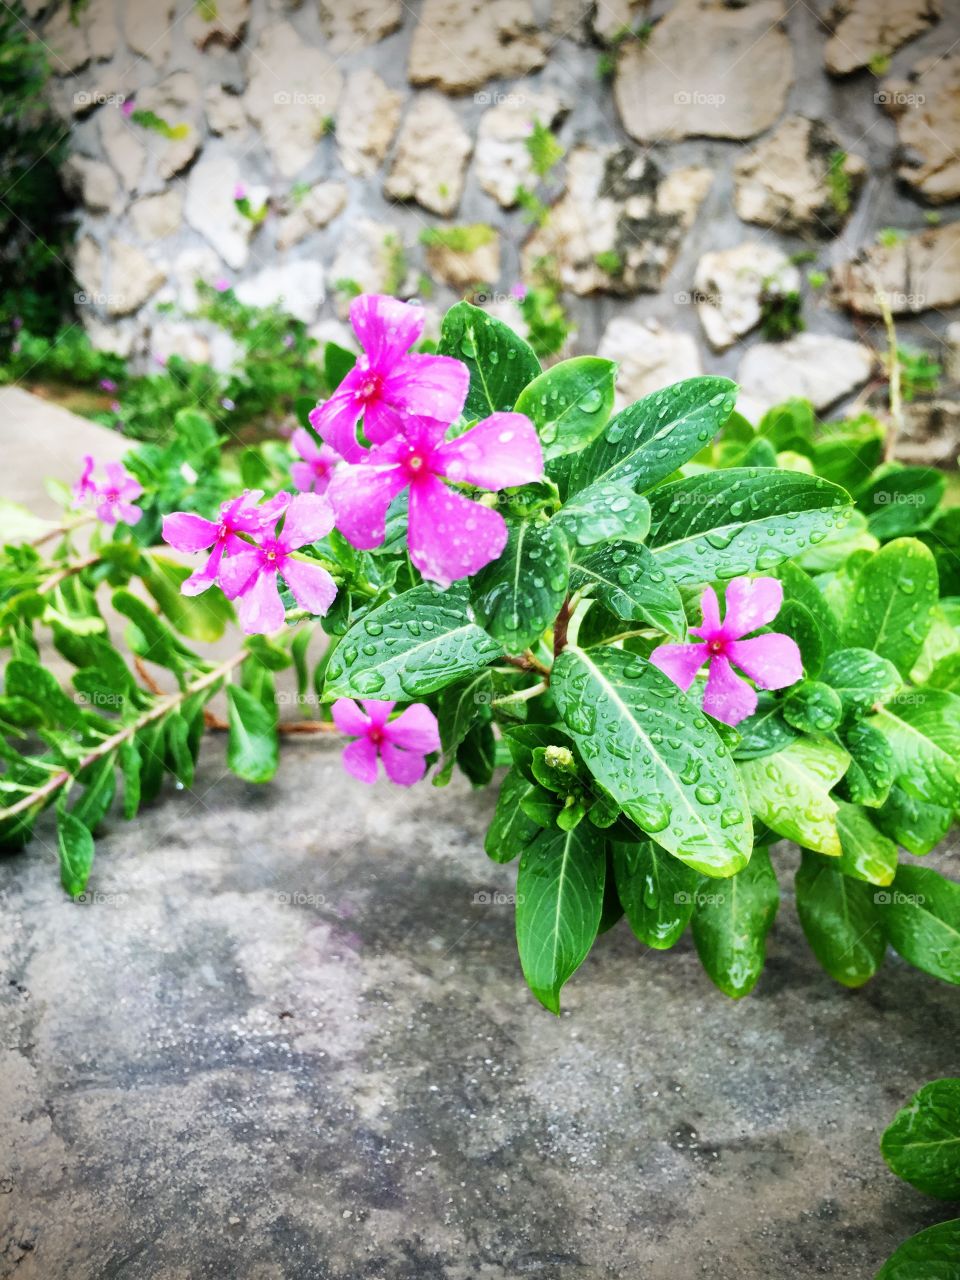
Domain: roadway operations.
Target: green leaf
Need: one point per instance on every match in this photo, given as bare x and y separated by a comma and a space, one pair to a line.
730, 924
500, 363
510, 830
75, 846
890, 609
411, 645
840, 920
35, 684
870, 773
656, 754
627, 580
653, 437
921, 916
179, 757
789, 791
541, 806
813, 707
602, 511
723, 524
806, 616
149, 637
657, 890
570, 403
765, 731
929, 1255
130, 765
253, 749
867, 853
922, 727
98, 793
922, 1144
518, 596
902, 501
861, 678
559, 903
459, 708
477, 754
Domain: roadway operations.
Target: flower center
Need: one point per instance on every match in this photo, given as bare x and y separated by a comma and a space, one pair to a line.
416, 464
715, 646
375, 735
369, 388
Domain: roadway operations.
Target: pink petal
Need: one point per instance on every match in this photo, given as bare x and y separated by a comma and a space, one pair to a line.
403, 767
709, 628
414, 729
188, 532
772, 661
309, 517
727, 697
312, 586
260, 608
130, 489
238, 573
382, 421
360, 497
348, 717
751, 603
336, 421
106, 512
680, 662
198, 582
360, 759
449, 536
428, 387
304, 477
128, 513
498, 453
117, 475
305, 444
387, 329
378, 711
271, 511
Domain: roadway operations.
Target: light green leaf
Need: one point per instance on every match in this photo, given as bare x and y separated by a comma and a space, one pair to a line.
861, 678
253, 748
867, 853
75, 846
922, 1145
559, 903
870, 773
569, 403
730, 924
657, 891
657, 755
98, 793
812, 707
724, 524
929, 1255
627, 580
500, 363
893, 597
411, 645
653, 437
840, 919
202, 617
603, 511
921, 916
790, 792
518, 596
922, 727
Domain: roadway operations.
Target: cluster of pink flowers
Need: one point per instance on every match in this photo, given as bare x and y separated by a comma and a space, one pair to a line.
112, 499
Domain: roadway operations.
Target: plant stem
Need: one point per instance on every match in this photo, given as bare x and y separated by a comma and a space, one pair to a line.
156, 712
521, 695
62, 574
560, 628
68, 526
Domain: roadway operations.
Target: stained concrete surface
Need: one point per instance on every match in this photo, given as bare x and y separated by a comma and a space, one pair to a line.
281, 1041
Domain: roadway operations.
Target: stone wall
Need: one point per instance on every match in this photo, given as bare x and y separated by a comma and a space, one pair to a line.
702, 155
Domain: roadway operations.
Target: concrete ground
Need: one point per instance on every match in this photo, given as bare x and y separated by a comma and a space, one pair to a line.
280, 1041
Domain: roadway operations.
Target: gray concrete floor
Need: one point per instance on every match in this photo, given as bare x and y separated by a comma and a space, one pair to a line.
280, 1040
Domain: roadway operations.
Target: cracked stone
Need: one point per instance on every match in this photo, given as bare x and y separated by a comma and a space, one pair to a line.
811, 366
369, 115
431, 156
917, 273
123, 148
155, 217
503, 162
729, 285
649, 357
67, 43
210, 209
348, 27
470, 256
176, 100
320, 205
371, 255
927, 111
225, 113
225, 29
460, 44
799, 178
706, 71
296, 287
294, 90
863, 30
930, 435
619, 224
93, 180
148, 26
131, 278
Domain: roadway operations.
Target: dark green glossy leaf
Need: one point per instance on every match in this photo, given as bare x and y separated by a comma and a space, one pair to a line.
765, 731
731, 920
75, 846
570, 403
477, 754
97, 797
922, 727
861, 678
921, 917
893, 597
840, 919
627, 580
870, 773
518, 596
657, 891
922, 1145
253, 749
603, 511
901, 500
500, 363
812, 707
806, 616
510, 830
459, 708
929, 1255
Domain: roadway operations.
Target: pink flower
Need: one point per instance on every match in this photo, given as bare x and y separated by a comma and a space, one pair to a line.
250, 575
189, 532
449, 536
312, 474
239, 192
127, 106
771, 661
113, 499
221, 284
518, 290
402, 744
107, 384
388, 386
